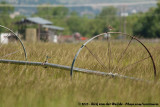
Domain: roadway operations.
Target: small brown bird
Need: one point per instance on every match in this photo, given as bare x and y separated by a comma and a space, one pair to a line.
109, 27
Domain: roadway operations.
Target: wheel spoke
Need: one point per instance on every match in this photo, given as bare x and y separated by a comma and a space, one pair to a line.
134, 63
109, 52
122, 54
10, 54
95, 56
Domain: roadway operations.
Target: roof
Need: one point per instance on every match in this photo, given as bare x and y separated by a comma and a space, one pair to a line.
53, 27
38, 20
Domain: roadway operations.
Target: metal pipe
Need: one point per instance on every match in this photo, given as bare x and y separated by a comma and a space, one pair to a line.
34, 64
68, 68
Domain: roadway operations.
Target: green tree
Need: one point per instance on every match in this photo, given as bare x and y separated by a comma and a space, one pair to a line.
96, 26
108, 16
5, 11
49, 11
148, 25
72, 22
108, 11
58, 15
77, 24
91, 27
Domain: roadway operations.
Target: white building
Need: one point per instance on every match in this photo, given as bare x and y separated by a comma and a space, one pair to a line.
4, 38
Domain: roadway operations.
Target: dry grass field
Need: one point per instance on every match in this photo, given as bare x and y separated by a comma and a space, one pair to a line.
32, 86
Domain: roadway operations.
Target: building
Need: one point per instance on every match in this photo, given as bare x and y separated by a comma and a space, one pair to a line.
36, 29
4, 38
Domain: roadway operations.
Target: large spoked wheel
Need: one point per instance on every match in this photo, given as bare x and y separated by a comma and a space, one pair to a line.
126, 56
11, 46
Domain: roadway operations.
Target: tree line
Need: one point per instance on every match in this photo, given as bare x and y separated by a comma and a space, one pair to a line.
141, 24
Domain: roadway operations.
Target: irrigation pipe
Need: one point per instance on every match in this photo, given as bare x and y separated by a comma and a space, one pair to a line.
68, 68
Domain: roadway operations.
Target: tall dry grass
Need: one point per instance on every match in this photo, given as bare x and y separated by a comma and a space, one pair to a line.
31, 86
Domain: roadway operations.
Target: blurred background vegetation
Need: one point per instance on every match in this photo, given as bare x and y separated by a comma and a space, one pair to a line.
144, 25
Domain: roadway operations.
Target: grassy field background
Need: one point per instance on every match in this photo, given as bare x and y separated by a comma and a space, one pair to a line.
31, 86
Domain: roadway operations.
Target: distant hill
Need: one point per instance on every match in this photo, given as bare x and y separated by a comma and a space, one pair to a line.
70, 1
82, 8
